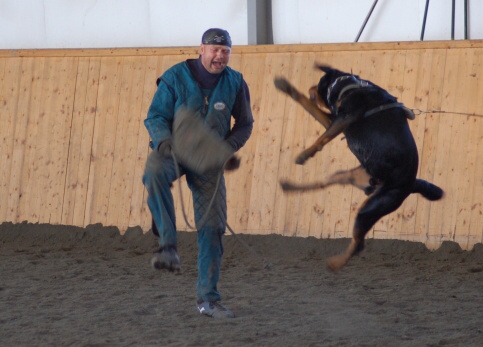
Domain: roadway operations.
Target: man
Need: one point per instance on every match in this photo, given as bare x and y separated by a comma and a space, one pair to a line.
211, 89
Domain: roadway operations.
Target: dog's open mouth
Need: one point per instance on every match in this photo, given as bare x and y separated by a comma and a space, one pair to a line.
315, 98
313, 93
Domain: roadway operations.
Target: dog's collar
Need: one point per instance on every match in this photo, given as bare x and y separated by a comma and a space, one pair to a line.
356, 84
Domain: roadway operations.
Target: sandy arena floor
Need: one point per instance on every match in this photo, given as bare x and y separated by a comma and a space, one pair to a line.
68, 286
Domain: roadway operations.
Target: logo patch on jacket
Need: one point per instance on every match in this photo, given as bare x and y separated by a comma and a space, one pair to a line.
219, 106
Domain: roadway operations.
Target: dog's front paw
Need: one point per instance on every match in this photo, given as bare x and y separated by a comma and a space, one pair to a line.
304, 156
301, 159
282, 84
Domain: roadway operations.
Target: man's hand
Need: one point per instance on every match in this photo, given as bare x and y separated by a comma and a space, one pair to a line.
233, 163
164, 148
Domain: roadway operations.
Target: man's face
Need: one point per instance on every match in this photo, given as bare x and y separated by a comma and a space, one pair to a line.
215, 57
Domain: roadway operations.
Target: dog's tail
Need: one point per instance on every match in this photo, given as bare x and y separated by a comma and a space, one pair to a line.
428, 190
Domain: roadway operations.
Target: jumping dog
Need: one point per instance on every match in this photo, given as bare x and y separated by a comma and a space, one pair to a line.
376, 128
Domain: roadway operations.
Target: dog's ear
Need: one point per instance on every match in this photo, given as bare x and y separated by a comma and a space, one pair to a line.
325, 68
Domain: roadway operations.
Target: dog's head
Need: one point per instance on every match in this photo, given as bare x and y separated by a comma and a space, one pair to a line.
326, 93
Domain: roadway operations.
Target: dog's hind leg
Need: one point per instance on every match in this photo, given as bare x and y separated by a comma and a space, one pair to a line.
283, 85
380, 204
358, 177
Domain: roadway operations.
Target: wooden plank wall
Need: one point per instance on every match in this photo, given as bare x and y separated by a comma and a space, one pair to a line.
73, 143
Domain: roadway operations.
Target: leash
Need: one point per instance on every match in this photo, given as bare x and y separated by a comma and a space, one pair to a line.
410, 112
217, 186
419, 112
266, 263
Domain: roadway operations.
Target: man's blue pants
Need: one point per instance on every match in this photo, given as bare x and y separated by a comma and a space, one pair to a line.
159, 174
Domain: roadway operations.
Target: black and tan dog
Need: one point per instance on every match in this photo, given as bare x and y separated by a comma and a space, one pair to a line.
376, 128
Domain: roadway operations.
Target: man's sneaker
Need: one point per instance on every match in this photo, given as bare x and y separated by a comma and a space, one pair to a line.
214, 309
166, 258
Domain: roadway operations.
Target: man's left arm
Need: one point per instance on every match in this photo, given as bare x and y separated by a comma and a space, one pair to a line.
242, 113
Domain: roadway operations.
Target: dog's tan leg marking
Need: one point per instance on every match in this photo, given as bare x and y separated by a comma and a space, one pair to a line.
358, 177
336, 128
333, 128
335, 263
283, 85
291, 187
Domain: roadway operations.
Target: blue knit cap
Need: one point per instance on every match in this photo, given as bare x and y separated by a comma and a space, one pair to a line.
216, 36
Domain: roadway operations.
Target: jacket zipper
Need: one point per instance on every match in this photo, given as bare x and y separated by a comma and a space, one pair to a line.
205, 107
